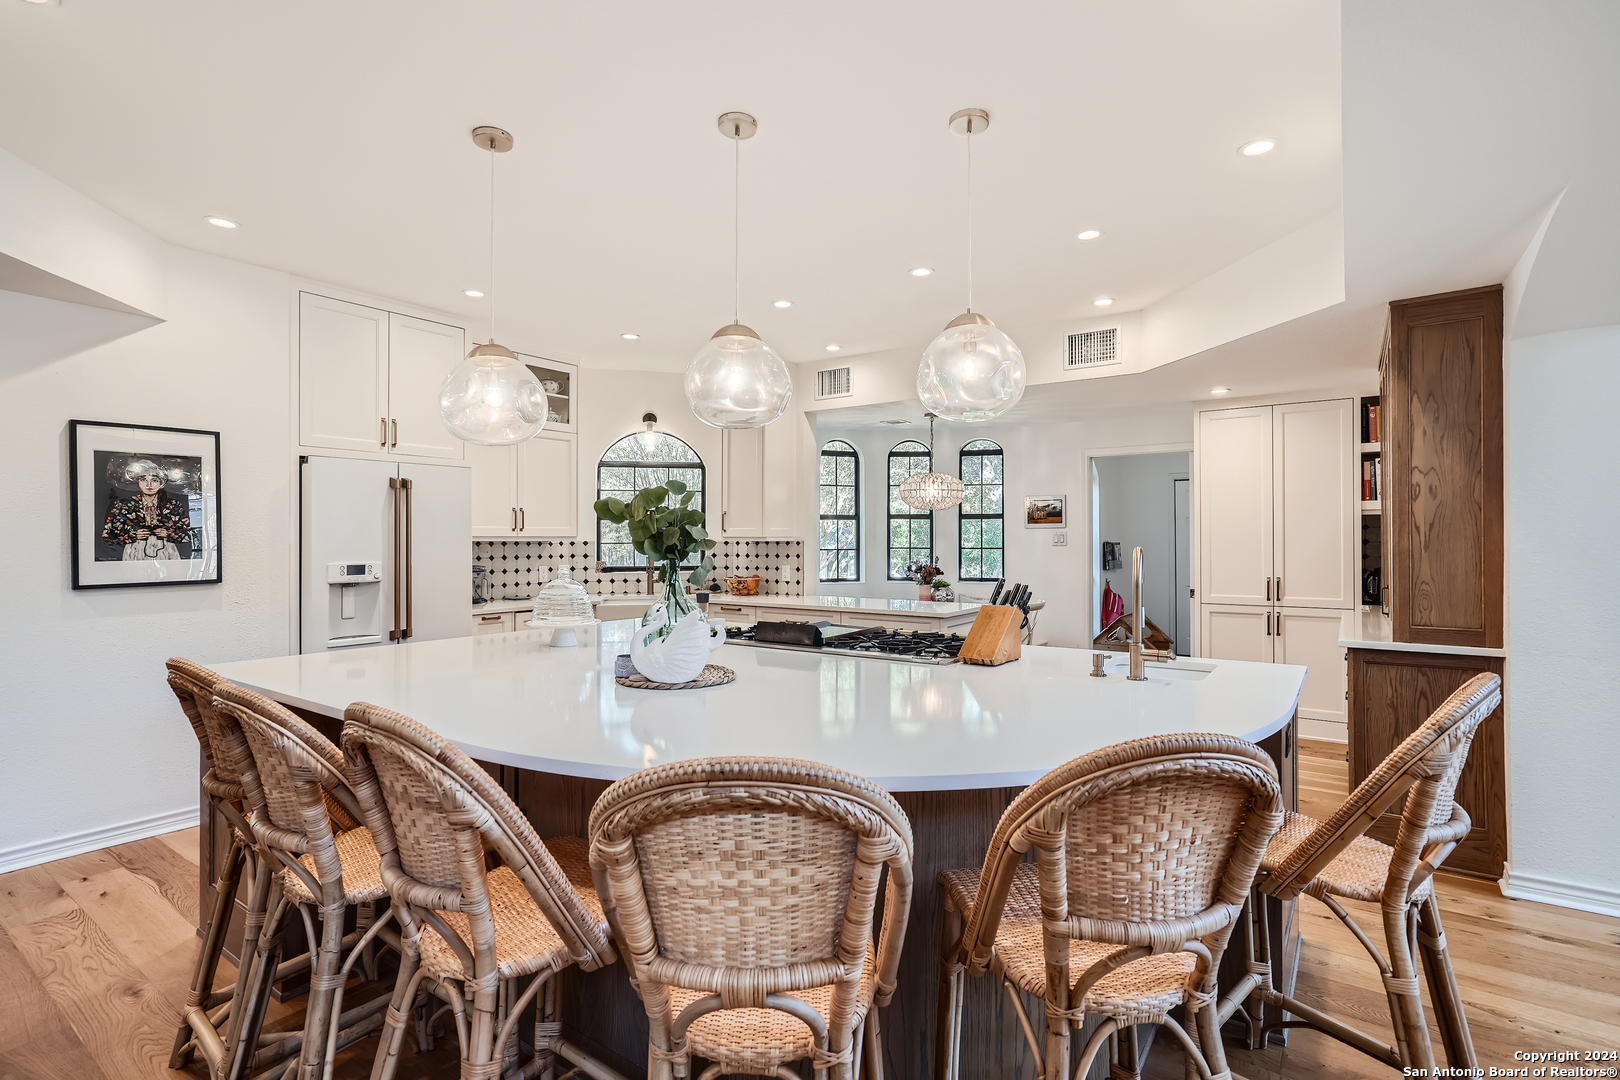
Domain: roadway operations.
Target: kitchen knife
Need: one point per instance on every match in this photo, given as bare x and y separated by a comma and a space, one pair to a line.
995, 593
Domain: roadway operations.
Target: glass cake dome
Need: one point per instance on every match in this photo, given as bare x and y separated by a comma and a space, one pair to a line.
562, 602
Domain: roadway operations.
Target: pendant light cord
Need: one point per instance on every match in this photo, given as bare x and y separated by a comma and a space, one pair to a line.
970, 211
492, 240
736, 226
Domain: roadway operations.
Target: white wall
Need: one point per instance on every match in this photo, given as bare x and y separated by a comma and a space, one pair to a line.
1563, 620
94, 740
1041, 459
1136, 506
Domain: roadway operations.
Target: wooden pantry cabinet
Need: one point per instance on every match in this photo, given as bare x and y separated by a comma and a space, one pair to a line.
1441, 403
368, 379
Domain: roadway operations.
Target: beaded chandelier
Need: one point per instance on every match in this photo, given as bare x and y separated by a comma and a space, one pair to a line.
932, 490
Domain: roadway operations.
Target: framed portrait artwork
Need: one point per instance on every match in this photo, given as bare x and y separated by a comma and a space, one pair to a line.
1045, 512
145, 505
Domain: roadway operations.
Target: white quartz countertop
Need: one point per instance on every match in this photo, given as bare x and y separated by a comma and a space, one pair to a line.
853, 603
1374, 630
497, 607
514, 700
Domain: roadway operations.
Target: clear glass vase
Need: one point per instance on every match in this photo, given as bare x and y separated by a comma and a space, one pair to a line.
677, 605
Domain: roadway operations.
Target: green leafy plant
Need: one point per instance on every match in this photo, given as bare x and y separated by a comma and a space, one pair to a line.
663, 533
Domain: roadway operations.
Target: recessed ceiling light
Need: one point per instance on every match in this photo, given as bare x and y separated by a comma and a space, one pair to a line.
1257, 147
474, 293
1091, 234
834, 348
217, 222
921, 271
1220, 390
630, 337
783, 303
1103, 301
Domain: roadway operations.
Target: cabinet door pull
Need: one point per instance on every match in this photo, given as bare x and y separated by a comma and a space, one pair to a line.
1279, 589
383, 420
490, 618
523, 519
1268, 588
1279, 624
1268, 624
514, 519
394, 441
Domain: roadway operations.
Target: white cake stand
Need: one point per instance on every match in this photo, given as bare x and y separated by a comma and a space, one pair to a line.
562, 636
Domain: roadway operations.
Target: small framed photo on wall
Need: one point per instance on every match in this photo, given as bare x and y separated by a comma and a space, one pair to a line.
145, 505
1045, 512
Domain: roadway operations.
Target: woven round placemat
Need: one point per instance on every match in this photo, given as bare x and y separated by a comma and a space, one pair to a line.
712, 675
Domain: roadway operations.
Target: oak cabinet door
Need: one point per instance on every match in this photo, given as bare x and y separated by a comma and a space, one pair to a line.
342, 375
1235, 505
1234, 632
420, 355
1316, 519
1311, 640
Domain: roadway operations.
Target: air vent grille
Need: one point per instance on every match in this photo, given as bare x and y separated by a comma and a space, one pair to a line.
1092, 347
833, 382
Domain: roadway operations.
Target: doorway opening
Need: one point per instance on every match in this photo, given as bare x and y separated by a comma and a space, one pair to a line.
1144, 500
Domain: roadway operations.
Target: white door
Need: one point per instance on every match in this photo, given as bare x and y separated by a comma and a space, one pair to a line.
1234, 506
438, 546
1311, 639
420, 355
494, 489
1317, 517
742, 468
1180, 586
1232, 632
548, 486
342, 375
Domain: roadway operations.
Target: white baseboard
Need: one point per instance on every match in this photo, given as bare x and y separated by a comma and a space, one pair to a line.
60, 847
1597, 899
1325, 730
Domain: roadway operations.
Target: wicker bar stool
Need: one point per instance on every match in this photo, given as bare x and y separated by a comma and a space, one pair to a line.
1145, 853
473, 932
201, 1029
1334, 858
305, 822
741, 892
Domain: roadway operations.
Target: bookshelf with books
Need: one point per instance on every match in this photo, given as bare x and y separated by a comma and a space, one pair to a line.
1370, 483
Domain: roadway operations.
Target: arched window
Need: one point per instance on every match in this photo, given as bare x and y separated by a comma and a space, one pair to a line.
645, 459
911, 531
840, 545
982, 523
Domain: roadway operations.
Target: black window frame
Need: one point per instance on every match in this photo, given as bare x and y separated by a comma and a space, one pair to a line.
985, 448
854, 455
701, 501
927, 457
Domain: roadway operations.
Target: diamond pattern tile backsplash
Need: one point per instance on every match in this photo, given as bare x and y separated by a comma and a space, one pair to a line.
520, 567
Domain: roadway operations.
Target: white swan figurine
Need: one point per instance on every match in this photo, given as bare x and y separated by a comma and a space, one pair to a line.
674, 655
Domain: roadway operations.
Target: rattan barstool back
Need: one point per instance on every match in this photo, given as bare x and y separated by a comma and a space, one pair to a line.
742, 891
1145, 853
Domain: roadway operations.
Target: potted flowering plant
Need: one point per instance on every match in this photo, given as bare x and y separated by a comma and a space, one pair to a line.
923, 572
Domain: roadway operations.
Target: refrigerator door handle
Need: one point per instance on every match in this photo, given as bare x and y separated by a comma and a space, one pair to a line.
410, 570
393, 631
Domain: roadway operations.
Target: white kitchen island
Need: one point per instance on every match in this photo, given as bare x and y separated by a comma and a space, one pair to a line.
955, 743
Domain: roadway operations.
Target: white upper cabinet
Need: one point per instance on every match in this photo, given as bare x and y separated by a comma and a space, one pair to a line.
757, 467
342, 375
1277, 520
1316, 517
527, 491
420, 355
494, 489
368, 379
1234, 506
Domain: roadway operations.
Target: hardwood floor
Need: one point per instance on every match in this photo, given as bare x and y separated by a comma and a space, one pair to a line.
96, 954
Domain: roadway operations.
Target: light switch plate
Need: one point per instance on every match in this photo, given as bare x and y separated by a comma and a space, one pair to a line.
1060, 539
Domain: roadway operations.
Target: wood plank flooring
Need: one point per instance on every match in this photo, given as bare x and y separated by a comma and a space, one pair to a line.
96, 954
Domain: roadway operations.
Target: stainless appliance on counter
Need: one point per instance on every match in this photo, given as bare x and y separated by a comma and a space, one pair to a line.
383, 546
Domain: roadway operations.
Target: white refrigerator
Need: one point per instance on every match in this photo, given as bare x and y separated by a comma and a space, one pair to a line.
385, 553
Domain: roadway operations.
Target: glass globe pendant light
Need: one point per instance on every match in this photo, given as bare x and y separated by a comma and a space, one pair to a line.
492, 397
736, 380
932, 490
971, 371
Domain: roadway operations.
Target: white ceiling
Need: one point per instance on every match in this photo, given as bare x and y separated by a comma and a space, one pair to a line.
337, 135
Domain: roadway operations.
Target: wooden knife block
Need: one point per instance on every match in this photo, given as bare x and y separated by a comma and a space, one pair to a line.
996, 636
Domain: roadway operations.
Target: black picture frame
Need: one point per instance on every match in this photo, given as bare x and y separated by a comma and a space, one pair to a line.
95, 448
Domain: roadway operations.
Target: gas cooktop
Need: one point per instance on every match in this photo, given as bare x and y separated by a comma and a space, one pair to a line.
906, 646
